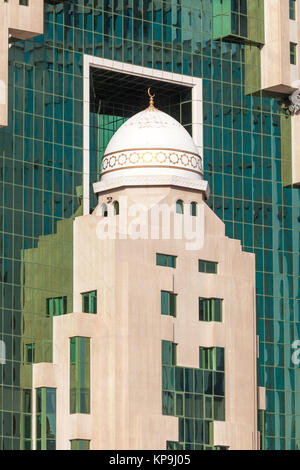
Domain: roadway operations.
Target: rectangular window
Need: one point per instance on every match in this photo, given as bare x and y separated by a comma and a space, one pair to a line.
168, 303
169, 353
45, 418
89, 302
210, 310
209, 267
80, 444
25, 3
293, 53
29, 353
212, 359
292, 9
79, 375
56, 306
166, 260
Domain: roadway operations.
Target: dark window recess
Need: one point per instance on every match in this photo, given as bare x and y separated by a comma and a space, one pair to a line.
89, 302
30, 353
56, 306
166, 260
194, 207
209, 267
210, 310
179, 207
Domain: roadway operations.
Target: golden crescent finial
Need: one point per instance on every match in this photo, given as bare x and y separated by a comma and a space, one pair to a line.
151, 104
151, 96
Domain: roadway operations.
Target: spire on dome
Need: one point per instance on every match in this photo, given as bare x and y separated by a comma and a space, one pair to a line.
151, 103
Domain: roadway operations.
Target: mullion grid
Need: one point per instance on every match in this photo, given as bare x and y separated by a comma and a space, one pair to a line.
193, 401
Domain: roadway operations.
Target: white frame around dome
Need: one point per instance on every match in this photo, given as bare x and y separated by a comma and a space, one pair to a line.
96, 62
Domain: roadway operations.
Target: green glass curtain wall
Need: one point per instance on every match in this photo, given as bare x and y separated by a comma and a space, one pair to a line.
41, 155
239, 20
195, 396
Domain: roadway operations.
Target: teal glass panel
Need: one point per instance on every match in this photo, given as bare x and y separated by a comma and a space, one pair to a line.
168, 303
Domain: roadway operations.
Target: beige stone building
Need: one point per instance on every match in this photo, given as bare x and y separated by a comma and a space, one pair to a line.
280, 67
19, 19
159, 349
270, 32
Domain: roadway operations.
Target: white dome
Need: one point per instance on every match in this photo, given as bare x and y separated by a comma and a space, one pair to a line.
151, 143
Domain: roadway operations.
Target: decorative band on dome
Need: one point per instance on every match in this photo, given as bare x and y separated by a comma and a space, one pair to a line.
152, 149
152, 158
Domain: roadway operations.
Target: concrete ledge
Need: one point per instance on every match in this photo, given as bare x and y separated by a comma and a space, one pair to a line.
44, 374
226, 433
163, 180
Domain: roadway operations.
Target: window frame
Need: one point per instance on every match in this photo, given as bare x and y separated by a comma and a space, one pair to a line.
172, 305
62, 311
80, 366
168, 258
194, 209
209, 359
116, 207
293, 53
212, 309
46, 408
32, 352
292, 10
206, 264
104, 210
80, 444
88, 295
179, 207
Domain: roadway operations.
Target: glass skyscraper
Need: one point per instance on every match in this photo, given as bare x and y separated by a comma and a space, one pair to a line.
246, 154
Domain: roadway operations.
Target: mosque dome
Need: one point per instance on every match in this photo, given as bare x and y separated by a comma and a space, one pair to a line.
151, 143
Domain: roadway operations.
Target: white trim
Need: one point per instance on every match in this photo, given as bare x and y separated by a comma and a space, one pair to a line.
98, 62
141, 180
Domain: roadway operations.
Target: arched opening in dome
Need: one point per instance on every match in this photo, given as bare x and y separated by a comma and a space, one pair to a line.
194, 209
103, 210
179, 207
116, 208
